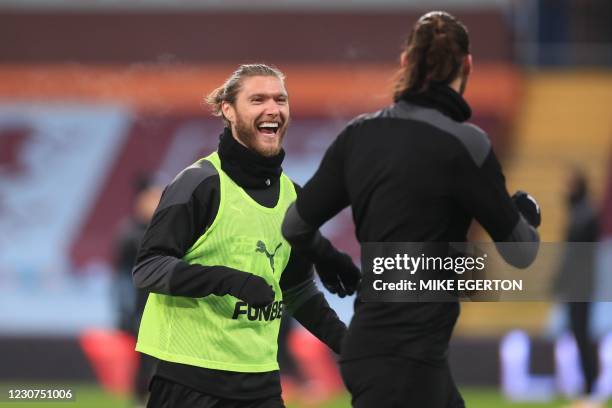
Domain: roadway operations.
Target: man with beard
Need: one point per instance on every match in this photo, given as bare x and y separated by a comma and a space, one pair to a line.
219, 271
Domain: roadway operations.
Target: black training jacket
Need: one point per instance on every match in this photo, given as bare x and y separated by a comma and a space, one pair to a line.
412, 172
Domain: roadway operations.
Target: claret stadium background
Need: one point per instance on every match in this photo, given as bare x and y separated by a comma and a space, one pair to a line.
95, 94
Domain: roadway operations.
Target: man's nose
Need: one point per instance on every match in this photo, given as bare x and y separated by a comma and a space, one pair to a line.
272, 108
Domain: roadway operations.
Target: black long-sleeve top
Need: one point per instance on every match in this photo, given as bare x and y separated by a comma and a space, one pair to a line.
412, 172
187, 208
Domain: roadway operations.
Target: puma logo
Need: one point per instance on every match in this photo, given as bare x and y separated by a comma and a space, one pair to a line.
261, 247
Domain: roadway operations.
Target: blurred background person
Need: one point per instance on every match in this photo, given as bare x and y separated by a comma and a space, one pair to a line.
576, 278
131, 301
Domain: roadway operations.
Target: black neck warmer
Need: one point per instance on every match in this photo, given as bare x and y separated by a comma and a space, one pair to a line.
442, 98
247, 168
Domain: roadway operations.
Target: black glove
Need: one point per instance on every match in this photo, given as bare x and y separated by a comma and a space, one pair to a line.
255, 291
528, 207
339, 274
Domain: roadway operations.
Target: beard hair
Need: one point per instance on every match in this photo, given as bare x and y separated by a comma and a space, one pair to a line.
244, 132
247, 135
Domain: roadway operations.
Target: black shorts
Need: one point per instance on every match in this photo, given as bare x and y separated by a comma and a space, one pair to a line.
393, 382
167, 394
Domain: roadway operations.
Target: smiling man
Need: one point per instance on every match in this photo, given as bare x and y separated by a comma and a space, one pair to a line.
219, 271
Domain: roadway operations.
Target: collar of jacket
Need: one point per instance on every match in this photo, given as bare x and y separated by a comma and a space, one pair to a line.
442, 98
247, 168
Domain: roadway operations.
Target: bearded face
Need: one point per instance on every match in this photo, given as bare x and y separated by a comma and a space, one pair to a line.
260, 115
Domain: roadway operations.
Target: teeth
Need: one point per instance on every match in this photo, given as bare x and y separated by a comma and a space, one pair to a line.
269, 125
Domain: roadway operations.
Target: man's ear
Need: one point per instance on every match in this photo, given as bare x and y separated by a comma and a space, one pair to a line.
404, 59
228, 111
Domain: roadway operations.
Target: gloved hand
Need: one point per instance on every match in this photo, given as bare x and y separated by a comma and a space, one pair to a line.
528, 207
339, 274
255, 291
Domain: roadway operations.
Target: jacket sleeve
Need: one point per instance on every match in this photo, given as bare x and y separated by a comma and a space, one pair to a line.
479, 186
308, 305
187, 207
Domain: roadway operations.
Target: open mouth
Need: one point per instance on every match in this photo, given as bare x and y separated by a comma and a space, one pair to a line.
268, 128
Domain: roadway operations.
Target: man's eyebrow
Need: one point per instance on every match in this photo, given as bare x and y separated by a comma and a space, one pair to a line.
266, 95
